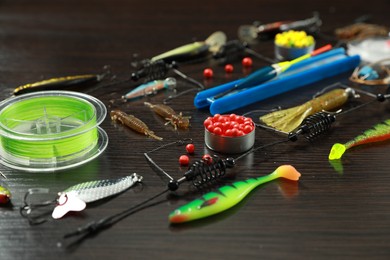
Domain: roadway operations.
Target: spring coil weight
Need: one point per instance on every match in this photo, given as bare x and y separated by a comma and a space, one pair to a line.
314, 125
151, 71
203, 172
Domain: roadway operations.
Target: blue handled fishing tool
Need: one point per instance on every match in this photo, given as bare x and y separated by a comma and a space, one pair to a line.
306, 72
269, 72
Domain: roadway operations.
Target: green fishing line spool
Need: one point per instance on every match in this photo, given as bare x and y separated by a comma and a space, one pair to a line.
51, 130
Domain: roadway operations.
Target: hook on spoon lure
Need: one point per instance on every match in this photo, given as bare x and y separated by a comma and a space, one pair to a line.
75, 197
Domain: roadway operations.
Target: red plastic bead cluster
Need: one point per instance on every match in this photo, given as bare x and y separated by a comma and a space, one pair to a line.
184, 159
229, 125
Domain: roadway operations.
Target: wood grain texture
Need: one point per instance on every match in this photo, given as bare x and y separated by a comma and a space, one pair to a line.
326, 215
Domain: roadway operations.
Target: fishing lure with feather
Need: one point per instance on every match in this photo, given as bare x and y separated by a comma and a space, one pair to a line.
377, 133
227, 196
75, 197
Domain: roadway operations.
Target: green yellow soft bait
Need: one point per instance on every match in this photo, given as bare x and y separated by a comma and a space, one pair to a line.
51, 130
377, 133
227, 196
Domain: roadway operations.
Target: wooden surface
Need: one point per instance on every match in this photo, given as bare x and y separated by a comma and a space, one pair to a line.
327, 215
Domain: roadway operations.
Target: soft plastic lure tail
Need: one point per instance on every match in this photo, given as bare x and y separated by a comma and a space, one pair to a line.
289, 119
58, 83
75, 198
193, 50
377, 133
227, 196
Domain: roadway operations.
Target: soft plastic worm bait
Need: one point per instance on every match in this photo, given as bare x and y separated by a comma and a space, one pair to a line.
227, 196
177, 120
193, 50
133, 123
377, 133
289, 119
58, 83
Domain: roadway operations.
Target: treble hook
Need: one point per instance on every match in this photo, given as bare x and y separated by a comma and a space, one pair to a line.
28, 208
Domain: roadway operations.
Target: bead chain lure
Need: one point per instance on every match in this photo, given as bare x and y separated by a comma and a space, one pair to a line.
377, 133
227, 196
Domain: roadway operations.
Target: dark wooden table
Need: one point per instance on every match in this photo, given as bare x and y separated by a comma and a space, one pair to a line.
326, 215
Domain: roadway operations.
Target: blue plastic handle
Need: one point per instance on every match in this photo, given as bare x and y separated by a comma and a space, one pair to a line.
204, 98
307, 75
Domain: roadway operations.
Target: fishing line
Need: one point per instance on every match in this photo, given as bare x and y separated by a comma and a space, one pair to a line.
51, 130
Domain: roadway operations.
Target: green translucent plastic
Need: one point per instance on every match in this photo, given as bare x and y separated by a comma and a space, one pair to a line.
49, 129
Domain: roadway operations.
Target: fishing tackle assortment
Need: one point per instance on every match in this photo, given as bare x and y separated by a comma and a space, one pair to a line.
133, 123
176, 120
310, 119
227, 196
377, 133
75, 198
156, 70
289, 119
200, 173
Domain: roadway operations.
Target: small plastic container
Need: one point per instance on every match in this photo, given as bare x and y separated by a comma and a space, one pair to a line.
51, 130
289, 53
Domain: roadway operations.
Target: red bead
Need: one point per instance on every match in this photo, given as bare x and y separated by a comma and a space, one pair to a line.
228, 132
207, 122
208, 73
247, 62
229, 68
184, 160
210, 128
248, 129
207, 158
190, 148
217, 131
